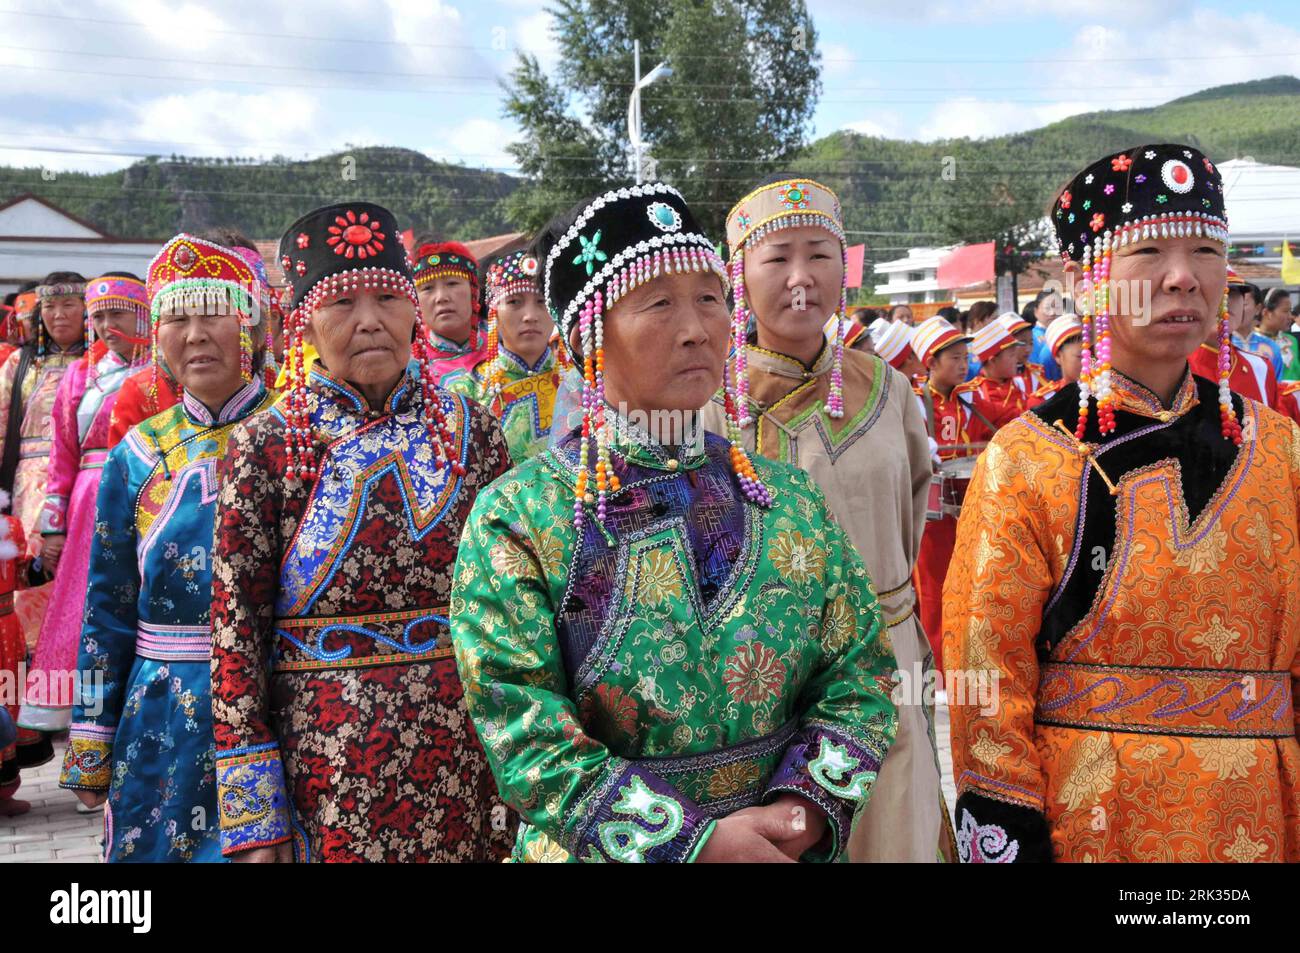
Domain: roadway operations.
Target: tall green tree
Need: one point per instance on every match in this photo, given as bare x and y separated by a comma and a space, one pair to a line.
746, 77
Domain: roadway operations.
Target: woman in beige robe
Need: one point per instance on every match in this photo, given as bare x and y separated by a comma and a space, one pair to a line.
852, 422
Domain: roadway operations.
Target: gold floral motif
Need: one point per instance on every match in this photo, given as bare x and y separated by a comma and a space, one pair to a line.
988, 751
1228, 757
979, 645
1150, 753
1243, 850
510, 558
795, 556
1261, 532
1206, 554
1001, 465
986, 553
659, 581
735, 778
838, 625
1216, 638
550, 553
542, 850
1089, 768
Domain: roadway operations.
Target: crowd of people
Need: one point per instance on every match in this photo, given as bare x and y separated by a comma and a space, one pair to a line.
607, 548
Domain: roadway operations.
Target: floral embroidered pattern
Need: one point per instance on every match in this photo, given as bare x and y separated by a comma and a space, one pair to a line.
984, 843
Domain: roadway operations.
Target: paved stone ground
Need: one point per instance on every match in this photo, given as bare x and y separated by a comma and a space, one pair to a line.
53, 831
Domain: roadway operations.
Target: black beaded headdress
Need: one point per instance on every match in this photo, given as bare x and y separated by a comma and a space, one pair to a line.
619, 242
1149, 192
335, 251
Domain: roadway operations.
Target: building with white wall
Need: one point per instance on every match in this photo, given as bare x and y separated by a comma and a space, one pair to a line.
37, 237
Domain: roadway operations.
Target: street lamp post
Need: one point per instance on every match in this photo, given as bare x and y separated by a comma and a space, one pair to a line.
634, 104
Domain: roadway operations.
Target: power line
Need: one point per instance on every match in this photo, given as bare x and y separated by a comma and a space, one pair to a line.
948, 60
617, 84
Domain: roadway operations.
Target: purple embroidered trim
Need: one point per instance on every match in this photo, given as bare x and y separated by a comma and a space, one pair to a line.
1244, 706
1208, 518
1033, 798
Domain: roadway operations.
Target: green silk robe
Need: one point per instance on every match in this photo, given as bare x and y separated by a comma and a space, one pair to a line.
696, 655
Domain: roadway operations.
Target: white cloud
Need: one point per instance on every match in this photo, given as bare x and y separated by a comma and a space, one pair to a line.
533, 35
219, 122
987, 11
1123, 69
183, 27
478, 141
880, 125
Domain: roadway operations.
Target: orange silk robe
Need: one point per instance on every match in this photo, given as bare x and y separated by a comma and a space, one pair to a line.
1144, 643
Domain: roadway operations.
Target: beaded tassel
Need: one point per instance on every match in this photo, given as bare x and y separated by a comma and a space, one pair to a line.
300, 451
1105, 389
496, 377
1086, 365
753, 488
739, 333
245, 353
595, 427
835, 400
1230, 427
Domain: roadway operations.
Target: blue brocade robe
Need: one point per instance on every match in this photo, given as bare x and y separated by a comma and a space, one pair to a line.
143, 728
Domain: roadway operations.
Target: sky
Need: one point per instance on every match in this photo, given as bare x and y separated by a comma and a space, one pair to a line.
94, 84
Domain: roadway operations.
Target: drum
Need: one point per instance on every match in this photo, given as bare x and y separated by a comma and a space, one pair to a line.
948, 488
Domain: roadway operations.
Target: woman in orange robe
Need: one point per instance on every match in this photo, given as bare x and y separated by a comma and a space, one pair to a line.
1129, 597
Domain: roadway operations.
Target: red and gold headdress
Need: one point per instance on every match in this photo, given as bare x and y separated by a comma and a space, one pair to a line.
435, 260
512, 274
191, 275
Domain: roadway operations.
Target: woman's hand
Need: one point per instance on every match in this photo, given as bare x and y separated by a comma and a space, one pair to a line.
789, 826
743, 838
275, 854
51, 550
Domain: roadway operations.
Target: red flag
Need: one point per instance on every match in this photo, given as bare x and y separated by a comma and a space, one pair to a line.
856, 256
966, 266
408, 241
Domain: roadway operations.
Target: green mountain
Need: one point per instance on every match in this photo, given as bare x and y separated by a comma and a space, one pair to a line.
915, 193
894, 186
157, 197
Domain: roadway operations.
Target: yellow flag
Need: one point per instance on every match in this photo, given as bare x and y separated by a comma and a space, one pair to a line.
1290, 266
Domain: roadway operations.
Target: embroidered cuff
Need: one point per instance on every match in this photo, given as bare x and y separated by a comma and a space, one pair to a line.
993, 831
832, 771
88, 764
252, 798
633, 816
52, 521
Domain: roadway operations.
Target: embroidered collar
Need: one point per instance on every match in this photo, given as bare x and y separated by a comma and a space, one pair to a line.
448, 346
1136, 399
110, 363
239, 405
345, 395
636, 444
516, 364
782, 365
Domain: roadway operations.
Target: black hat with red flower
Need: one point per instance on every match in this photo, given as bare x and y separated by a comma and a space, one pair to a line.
1154, 191
346, 246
